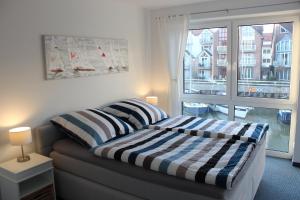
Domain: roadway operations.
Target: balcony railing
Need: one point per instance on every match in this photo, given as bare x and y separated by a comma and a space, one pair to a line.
281, 64
206, 41
246, 64
248, 48
222, 49
195, 86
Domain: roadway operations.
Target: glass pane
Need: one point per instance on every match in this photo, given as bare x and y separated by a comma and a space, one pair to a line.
279, 121
264, 60
205, 110
205, 62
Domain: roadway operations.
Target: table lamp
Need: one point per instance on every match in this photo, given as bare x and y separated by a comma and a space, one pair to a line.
152, 100
21, 136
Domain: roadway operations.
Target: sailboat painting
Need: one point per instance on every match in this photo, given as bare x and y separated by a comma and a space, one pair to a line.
70, 57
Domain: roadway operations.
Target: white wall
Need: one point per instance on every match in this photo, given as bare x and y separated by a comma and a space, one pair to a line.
26, 98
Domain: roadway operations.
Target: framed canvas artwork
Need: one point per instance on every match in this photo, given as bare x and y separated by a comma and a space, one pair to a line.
70, 56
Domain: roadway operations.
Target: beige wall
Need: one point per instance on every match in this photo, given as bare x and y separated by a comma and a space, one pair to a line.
26, 98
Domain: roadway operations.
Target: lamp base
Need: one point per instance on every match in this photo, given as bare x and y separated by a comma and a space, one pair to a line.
23, 158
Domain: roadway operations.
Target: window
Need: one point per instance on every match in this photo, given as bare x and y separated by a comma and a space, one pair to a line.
284, 45
206, 36
204, 68
266, 51
222, 37
266, 61
249, 75
283, 30
248, 45
247, 59
246, 73
266, 67
283, 75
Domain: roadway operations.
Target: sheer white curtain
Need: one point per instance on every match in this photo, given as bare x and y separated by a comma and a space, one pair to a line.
172, 34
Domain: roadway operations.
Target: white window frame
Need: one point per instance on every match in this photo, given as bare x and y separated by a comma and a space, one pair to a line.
191, 97
231, 99
290, 103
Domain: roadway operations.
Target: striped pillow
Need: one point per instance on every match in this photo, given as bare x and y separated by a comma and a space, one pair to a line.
136, 112
93, 127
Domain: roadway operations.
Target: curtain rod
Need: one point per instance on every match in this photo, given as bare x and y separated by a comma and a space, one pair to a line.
242, 8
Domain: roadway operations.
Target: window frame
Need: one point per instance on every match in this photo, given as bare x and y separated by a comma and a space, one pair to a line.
293, 78
231, 99
208, 25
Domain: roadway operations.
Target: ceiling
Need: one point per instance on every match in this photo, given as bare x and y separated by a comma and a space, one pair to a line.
153, 4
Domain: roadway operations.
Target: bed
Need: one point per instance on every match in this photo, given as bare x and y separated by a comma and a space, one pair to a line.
81, 173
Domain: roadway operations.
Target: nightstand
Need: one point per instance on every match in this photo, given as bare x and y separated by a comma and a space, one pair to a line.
31, 180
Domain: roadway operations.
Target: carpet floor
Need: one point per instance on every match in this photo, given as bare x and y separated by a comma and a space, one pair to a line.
281, 181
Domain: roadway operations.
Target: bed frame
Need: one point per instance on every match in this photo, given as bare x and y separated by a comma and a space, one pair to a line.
70, 186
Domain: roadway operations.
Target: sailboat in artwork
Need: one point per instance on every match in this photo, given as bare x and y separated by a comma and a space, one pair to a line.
78, 58
56, 65
105, 57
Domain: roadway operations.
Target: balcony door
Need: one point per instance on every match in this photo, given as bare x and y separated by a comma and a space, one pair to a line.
245, 70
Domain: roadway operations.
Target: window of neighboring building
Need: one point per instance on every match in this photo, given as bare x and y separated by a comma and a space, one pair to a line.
248, 33
207, 47
247, 59
284, 44
266, 61
246, 73
284, 59
248, 45
266, 50
206, 36
284, 75
222, 37
283, 30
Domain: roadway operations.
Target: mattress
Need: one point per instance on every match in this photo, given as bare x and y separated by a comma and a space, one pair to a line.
75, 159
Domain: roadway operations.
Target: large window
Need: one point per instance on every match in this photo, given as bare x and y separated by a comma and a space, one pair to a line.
241, 70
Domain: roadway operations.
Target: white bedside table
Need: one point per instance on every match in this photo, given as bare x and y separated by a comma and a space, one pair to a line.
31, 180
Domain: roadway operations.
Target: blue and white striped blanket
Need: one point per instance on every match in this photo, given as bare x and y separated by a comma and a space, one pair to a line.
249, 132
203, 160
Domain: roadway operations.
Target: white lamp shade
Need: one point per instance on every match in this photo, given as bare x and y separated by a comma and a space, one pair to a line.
152, 100
20, 136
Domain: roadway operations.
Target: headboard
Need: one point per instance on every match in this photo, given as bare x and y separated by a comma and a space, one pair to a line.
44, 137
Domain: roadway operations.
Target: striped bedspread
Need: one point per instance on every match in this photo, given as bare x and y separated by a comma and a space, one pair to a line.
249, 132
203, 160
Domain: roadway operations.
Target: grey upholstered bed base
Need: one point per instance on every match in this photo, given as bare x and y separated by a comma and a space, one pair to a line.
70, 186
